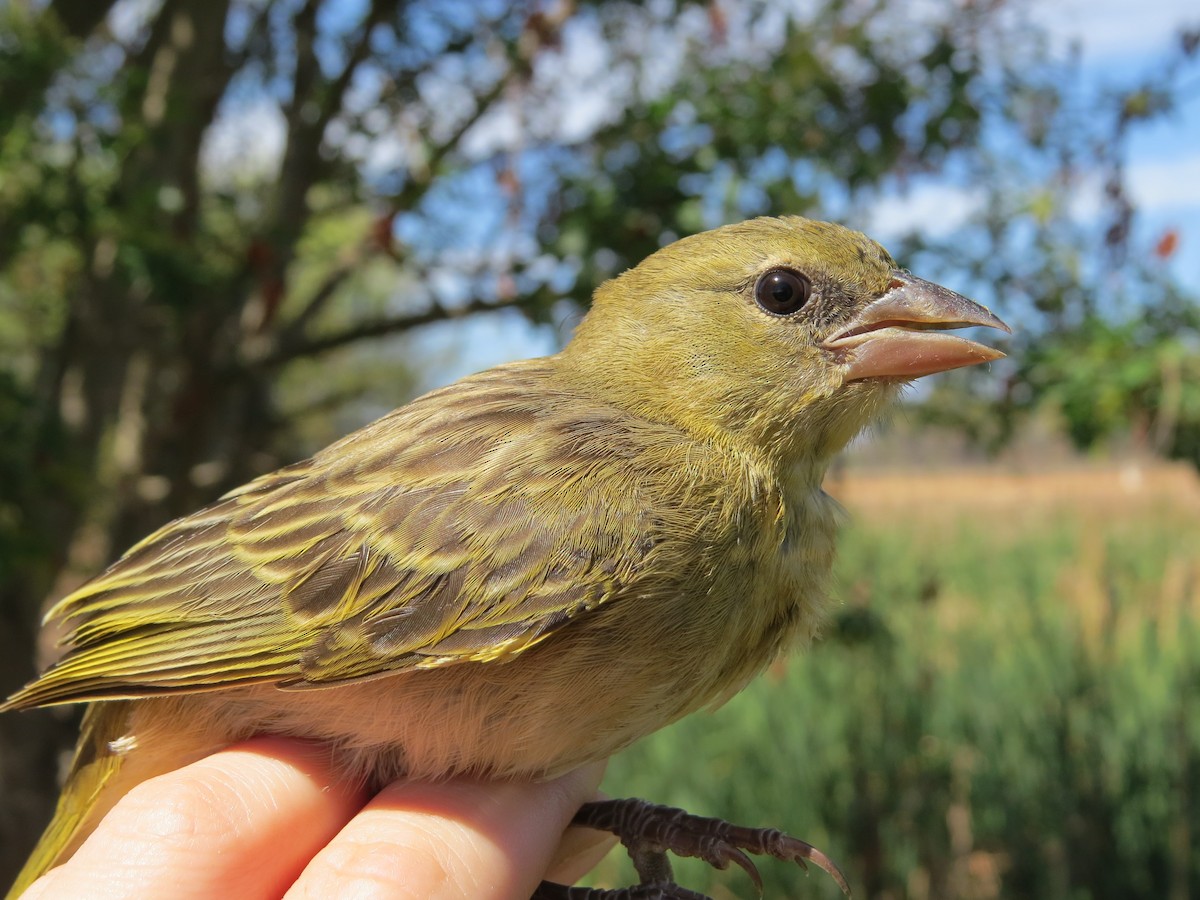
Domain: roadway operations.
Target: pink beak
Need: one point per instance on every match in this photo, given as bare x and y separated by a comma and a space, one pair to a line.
902, 334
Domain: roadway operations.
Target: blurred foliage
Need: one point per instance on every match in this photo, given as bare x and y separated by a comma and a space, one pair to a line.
1108, 338
1107, 378
992, 715
219, 220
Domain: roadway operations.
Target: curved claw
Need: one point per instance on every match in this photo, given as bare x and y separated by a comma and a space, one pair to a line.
643, 826
772, 842
719, 854
548, 890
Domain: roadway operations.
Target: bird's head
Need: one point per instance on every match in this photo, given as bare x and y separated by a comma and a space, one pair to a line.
782, 335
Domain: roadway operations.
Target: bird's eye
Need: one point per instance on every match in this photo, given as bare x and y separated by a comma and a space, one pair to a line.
781, 291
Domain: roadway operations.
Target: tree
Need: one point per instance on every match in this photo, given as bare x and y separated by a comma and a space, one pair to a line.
1110, 341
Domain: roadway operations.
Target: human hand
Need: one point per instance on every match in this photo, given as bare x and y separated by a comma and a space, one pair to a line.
266, 818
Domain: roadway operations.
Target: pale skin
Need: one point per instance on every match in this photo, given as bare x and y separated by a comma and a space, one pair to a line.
267, 818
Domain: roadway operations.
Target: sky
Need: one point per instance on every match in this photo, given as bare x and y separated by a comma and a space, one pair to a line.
1119, 38
1120, 41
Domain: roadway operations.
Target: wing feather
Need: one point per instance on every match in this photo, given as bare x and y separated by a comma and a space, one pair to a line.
466, 526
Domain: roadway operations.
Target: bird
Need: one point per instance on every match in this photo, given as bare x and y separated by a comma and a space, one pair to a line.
533, 567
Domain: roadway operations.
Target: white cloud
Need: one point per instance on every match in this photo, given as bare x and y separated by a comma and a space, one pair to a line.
128, 19
932, 209
1166, 185
245, 140
1116, 29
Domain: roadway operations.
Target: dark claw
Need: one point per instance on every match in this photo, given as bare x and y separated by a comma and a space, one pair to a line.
771, 842
647, 829
730, 852
548, 890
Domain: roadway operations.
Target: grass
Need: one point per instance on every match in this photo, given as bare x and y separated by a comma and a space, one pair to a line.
1003, 706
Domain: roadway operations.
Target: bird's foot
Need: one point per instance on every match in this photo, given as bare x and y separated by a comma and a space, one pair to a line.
648, 831
547, 890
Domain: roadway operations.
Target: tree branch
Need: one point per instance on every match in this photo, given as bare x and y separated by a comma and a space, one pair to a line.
290, 341
302, 160
80, 17
320, 299
389, 325
380, 10
302, 164
482, 105
298, 171
415, 188
43, 47
405, 199
258, 34
185, 71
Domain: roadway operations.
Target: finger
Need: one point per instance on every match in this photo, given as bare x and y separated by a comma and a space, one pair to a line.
578, 852
455, 839
240, 823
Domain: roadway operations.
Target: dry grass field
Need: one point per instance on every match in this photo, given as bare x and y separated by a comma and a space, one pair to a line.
1130, 490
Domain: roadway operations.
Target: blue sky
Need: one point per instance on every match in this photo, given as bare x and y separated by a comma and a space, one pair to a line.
1120, 41
1120, 44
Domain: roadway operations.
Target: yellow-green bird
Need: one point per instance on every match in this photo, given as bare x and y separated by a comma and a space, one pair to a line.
532, 568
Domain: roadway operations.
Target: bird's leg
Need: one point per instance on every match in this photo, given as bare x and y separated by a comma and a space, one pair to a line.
651, 863
648, 831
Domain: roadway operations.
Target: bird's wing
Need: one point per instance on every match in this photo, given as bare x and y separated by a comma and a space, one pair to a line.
466, 526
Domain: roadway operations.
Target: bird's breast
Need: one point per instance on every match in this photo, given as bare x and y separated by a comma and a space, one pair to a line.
784, 586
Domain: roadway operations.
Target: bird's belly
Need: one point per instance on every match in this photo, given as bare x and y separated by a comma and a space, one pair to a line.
575, 698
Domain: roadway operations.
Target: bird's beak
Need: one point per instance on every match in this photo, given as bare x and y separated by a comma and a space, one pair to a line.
902, 334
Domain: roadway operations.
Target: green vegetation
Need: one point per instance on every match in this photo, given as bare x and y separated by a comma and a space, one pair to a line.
991, 716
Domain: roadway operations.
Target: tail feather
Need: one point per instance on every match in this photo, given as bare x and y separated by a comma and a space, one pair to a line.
94, 767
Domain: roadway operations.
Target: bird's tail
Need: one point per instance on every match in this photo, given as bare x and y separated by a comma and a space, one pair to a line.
94, 772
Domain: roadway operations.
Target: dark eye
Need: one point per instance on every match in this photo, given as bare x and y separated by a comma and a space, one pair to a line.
781, 291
